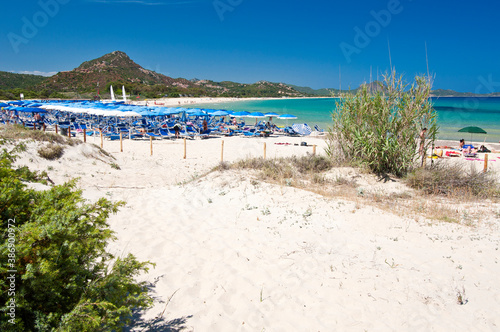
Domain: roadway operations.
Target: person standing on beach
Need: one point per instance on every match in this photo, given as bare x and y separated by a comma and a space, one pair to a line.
422, 144
205, 126
177, 129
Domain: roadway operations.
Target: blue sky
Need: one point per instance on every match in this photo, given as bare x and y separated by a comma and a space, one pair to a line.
305, 43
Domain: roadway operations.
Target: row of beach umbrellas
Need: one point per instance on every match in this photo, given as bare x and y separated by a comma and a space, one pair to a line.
120, 110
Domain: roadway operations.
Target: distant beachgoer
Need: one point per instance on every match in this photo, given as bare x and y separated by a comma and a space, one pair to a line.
422, 143
205, 126
177, 129
469, 151
461, 144
235, 123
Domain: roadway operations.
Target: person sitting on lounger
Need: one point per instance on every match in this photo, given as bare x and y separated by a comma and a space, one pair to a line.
469, 151
461, 144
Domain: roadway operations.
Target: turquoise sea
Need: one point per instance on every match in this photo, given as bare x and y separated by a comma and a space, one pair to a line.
454, 113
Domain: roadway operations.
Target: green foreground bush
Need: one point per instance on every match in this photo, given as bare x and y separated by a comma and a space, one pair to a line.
56, 242
381, 130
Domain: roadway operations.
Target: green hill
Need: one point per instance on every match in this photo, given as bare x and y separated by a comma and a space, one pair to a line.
118, 69
312, 92
9, 81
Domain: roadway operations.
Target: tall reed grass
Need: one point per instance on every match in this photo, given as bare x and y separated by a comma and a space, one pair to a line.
381, 129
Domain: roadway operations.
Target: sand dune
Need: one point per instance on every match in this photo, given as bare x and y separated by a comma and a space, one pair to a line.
234, 253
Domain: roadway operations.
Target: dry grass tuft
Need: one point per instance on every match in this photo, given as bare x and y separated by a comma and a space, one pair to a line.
308, 164
51, 151
440, 196
15, 132
453, 180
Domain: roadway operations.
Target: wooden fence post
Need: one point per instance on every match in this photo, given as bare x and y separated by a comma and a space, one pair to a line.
121, 142
151, 143
222, 152
265, 150
184, 147
485, 163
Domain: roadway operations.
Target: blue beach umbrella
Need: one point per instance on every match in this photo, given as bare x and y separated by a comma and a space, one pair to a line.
220, 113
256, 115
271, 114
240, 114
287, 117
197, 113
175, 110
3, 105
31, 110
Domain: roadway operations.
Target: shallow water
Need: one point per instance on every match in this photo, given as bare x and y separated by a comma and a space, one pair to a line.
454, 113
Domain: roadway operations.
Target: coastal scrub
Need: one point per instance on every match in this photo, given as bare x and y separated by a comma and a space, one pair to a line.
57, 274
381, 130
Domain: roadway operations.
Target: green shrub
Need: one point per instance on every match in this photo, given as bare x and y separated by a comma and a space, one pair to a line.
64, 277
381, 130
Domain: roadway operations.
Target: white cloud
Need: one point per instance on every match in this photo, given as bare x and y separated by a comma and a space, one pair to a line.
36, 72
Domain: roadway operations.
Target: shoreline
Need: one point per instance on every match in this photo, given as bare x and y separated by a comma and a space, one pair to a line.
183, 101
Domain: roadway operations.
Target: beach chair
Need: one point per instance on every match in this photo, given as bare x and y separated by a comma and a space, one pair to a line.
155, 136
290, 132
165, 133
184, 134
318, 129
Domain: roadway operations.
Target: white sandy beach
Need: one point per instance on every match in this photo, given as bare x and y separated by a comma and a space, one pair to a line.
234, 253
186, 101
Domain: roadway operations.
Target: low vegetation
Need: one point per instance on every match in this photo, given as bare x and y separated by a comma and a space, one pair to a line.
56, 241
453, 180
380, 128
437, 193
15, 132
287, 169
51, 151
